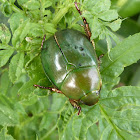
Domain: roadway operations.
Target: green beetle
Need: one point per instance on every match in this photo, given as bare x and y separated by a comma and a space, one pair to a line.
70, 62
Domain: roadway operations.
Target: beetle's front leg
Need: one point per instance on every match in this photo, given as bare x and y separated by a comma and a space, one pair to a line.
43, 41
74, 103
49, 88
87, 29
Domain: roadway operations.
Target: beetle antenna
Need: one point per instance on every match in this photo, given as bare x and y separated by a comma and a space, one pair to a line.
43, 41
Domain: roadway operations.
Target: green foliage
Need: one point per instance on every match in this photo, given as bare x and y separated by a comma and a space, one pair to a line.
27, 112
129, 48
100, 17
128, 8
4, 135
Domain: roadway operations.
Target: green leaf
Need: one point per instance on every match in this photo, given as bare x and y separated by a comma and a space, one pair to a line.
115, 25
12, 1
88, 4
4, 100
5, 34
96, 28
120, 97
96, 135
16, 66
19, 108
135, 79
32, 5
5, 83
19, 18
109, 134
58, 102
4, 56
48, 13
113, 36
6, 8
6, 86
124, 54
64, 123
48, 121
5, 47
32, 99
121, 109
46, 4
109, 15
91, 117
27, 88
49, 28
101, 6
24, 31
97, 6
20, 33
21, 2
76, 125
35, 69
8, 116
126, 28
35, 30
108, 86
14, 89
99, 16
31, 57
4, 135
36, 73
129, 7
12, 105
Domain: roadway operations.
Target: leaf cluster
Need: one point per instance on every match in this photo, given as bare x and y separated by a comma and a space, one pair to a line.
30, 113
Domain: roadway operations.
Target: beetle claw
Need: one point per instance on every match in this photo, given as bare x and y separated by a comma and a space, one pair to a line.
74, 103
79, 108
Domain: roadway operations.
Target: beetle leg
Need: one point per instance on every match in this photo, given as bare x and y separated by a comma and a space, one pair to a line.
43, 41
82, 25
99, 60
75, 105
50, 88
87, 29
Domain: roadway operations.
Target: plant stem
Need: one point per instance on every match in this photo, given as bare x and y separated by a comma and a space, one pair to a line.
61, 13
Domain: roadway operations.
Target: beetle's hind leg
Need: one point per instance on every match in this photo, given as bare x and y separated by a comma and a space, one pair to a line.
74, 103
49, 88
